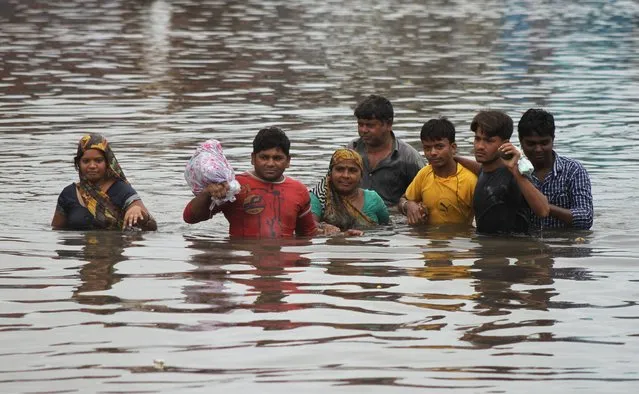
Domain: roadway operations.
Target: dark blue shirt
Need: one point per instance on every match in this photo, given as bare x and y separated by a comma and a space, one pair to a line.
566, 186
78, 217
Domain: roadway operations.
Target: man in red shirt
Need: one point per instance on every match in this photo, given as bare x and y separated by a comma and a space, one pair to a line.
269, 204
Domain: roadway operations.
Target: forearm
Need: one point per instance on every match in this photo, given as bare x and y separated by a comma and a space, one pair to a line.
582, 218
59, 221
537, 202
469, 164
197, 209
563, 214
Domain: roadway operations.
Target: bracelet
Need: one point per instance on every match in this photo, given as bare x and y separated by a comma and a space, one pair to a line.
403, 207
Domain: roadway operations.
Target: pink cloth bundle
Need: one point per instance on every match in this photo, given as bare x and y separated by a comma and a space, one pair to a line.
209, 165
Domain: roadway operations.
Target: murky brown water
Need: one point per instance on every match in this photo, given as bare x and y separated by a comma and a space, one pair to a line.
398, 310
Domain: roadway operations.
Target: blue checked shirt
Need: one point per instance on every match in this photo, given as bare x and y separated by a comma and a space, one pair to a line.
566, 186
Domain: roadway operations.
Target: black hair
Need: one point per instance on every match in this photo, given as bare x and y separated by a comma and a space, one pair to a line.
493, 123
271, 137
436, 129
375, 107
536, 121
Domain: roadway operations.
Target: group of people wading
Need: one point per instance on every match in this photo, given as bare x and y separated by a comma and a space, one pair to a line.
376, 174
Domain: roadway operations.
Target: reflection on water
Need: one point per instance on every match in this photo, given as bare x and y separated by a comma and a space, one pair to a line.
399, 309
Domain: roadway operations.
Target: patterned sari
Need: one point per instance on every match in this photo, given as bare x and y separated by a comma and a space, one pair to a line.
106, 214
337, 210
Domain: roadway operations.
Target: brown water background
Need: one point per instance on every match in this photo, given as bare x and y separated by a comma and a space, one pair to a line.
399, 310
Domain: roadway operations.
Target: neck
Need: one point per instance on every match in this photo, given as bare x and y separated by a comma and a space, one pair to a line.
492, 166
254, 174
449, 169
352, 195
384, 147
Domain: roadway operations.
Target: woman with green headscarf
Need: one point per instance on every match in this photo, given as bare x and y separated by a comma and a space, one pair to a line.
337, 201
103, 199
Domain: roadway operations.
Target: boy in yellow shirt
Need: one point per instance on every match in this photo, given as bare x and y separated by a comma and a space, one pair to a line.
442, 192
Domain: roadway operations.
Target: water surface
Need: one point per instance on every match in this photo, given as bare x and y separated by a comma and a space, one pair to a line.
400, 309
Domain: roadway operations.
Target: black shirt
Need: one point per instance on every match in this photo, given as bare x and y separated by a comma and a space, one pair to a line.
78, 217
500, 208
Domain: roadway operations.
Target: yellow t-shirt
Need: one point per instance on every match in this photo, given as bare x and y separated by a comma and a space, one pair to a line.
448, 200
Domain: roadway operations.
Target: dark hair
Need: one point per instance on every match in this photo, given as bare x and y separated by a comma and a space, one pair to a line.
271, 137
493, 124
436, 129
375, 107
536, 121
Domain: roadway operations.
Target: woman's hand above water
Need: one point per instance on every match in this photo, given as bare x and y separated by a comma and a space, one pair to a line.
138, 216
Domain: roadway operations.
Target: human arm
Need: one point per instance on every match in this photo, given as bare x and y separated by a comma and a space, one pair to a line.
536, 200
469, 164
197, 210
59, 220
410, 204
579, 213
415, 212
380, 209
306, 225
138, 215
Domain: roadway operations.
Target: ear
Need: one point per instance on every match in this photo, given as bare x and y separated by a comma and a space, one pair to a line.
252, 159
288, 161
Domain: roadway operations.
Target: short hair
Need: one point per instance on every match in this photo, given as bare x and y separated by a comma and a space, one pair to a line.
436, 129
375, 107
536, 121
493, 123
271, 137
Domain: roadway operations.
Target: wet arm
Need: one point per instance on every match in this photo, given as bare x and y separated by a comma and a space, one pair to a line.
306, 225
138, 215
536, 199
59, 221
580, 214
197, 209
469, 164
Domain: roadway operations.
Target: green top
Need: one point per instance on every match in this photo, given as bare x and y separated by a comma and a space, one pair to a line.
374, 207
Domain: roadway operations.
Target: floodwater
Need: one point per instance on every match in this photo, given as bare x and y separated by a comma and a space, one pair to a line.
401, 309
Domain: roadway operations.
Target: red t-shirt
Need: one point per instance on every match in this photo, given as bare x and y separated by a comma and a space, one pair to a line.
267, 209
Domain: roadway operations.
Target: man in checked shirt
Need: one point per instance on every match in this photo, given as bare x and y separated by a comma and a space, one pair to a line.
563, 181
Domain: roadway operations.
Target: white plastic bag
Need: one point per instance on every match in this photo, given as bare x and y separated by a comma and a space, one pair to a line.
209, 165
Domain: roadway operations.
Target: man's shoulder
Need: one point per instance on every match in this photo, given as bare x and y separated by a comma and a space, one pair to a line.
405, 146
354, 143
425, 171
567, 163
465, 173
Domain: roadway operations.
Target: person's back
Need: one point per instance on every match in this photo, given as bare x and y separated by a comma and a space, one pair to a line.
389, 163
503, 196
269, 204
564, 181
442, 192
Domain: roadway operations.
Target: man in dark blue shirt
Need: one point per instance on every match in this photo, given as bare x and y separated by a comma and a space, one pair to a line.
563, 181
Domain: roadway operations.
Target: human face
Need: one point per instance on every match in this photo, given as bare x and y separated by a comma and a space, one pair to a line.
93, 165
346, 176
486, 148
270, 164
538, 150
374, 132
440, 152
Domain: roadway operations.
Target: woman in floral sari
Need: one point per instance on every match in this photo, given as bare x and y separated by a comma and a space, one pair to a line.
103, 199
337, 201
